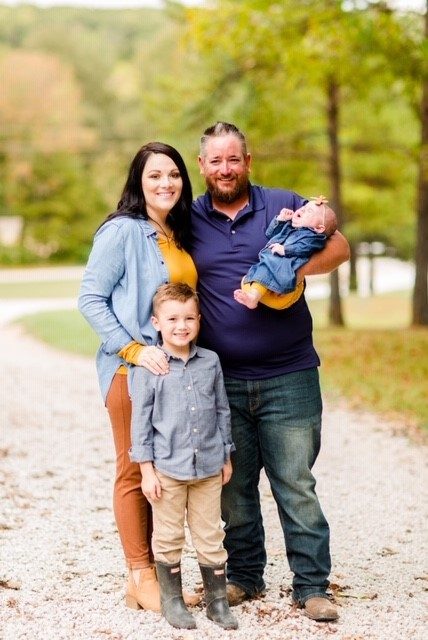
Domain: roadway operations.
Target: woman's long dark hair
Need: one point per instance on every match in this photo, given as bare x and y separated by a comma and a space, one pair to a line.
132, 203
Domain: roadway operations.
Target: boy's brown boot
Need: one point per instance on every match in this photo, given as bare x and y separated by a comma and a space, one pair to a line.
145, 595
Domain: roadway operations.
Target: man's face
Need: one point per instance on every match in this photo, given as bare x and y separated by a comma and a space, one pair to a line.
225, 168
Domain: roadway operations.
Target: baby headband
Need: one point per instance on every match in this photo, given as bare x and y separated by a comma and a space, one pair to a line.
321, 201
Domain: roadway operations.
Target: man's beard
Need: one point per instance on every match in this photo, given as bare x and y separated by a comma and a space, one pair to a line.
228, 197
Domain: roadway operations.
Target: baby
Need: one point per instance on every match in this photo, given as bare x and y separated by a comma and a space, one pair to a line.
294, 237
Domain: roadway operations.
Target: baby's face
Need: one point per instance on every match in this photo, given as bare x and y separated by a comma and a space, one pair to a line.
310, 215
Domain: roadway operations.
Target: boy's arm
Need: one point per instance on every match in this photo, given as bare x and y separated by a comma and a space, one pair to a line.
330, 258
142, 395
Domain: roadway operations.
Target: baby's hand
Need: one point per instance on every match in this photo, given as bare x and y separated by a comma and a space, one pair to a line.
277, 248
285, 214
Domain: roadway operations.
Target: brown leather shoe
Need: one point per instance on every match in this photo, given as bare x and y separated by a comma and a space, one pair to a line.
320, 609
191, 599
235, 595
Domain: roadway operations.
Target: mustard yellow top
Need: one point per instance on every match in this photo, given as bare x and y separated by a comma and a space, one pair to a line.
181, 268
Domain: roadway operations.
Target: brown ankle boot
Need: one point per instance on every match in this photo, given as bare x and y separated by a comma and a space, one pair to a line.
147, 594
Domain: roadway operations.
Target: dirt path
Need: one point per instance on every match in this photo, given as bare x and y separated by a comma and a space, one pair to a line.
61, 569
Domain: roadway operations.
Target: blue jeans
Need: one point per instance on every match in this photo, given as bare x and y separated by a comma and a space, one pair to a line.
276, 424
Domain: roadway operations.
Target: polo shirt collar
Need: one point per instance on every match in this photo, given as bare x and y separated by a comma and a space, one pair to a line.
255, 204
194, 351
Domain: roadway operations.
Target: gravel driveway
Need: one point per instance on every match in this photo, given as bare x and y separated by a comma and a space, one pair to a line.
61, 570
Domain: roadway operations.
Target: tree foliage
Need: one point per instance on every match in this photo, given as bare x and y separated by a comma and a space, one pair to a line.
96, 84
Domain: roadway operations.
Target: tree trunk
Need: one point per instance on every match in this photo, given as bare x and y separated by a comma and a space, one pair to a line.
335, 309
353, 278
420, 291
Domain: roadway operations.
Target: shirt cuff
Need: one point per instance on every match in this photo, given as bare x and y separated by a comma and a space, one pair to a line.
141, 454
228, 449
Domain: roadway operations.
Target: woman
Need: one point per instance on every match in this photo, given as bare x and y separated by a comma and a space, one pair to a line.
140, 246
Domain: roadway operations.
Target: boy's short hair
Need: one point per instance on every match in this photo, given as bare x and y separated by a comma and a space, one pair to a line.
174, 291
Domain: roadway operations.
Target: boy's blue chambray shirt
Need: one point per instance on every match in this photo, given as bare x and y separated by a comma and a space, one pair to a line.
181, 421
124, 269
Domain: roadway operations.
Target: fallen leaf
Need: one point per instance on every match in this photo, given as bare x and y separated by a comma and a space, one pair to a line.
387, 551
10, 584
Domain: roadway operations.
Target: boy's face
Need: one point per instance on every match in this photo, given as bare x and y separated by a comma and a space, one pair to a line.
178, 322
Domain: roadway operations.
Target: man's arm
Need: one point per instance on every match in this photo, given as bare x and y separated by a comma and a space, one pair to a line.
330, 258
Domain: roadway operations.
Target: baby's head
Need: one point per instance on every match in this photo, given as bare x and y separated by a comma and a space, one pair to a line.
316, 215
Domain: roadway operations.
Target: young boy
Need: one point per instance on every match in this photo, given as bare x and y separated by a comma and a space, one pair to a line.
180, 435
294, 237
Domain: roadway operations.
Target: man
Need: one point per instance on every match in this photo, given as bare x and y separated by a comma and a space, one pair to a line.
271, 376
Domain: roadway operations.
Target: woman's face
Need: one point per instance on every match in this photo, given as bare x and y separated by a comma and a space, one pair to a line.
162, 185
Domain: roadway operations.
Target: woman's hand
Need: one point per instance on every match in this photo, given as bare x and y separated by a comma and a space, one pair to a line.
154, 359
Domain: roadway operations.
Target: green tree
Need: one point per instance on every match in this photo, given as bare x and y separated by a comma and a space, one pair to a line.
420, 292
301, 66
60, 206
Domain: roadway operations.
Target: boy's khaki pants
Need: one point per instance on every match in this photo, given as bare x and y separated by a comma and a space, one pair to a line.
201, 499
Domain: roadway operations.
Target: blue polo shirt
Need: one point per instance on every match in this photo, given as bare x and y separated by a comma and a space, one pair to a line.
252, 344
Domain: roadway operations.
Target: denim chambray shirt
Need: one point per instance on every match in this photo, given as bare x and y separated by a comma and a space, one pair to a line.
181, 421
125, 267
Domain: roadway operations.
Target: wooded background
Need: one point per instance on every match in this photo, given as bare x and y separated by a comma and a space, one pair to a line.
333, 97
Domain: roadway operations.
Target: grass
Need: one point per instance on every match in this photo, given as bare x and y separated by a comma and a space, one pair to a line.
387, 311
48, 289
65, 330
377, 363
384, 370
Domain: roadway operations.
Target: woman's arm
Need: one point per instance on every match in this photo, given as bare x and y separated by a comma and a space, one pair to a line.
336, 252
106, 265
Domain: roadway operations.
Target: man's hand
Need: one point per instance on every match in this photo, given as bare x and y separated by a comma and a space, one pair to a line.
328, 259
278, 248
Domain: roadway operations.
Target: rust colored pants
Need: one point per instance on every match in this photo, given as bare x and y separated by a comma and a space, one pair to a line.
132, 512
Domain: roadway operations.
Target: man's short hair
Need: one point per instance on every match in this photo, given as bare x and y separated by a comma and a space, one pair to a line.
174, 291
222, 129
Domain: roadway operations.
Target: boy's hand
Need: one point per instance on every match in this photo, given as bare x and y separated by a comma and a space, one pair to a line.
285, 214
277, 248
150, 484
226, 472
